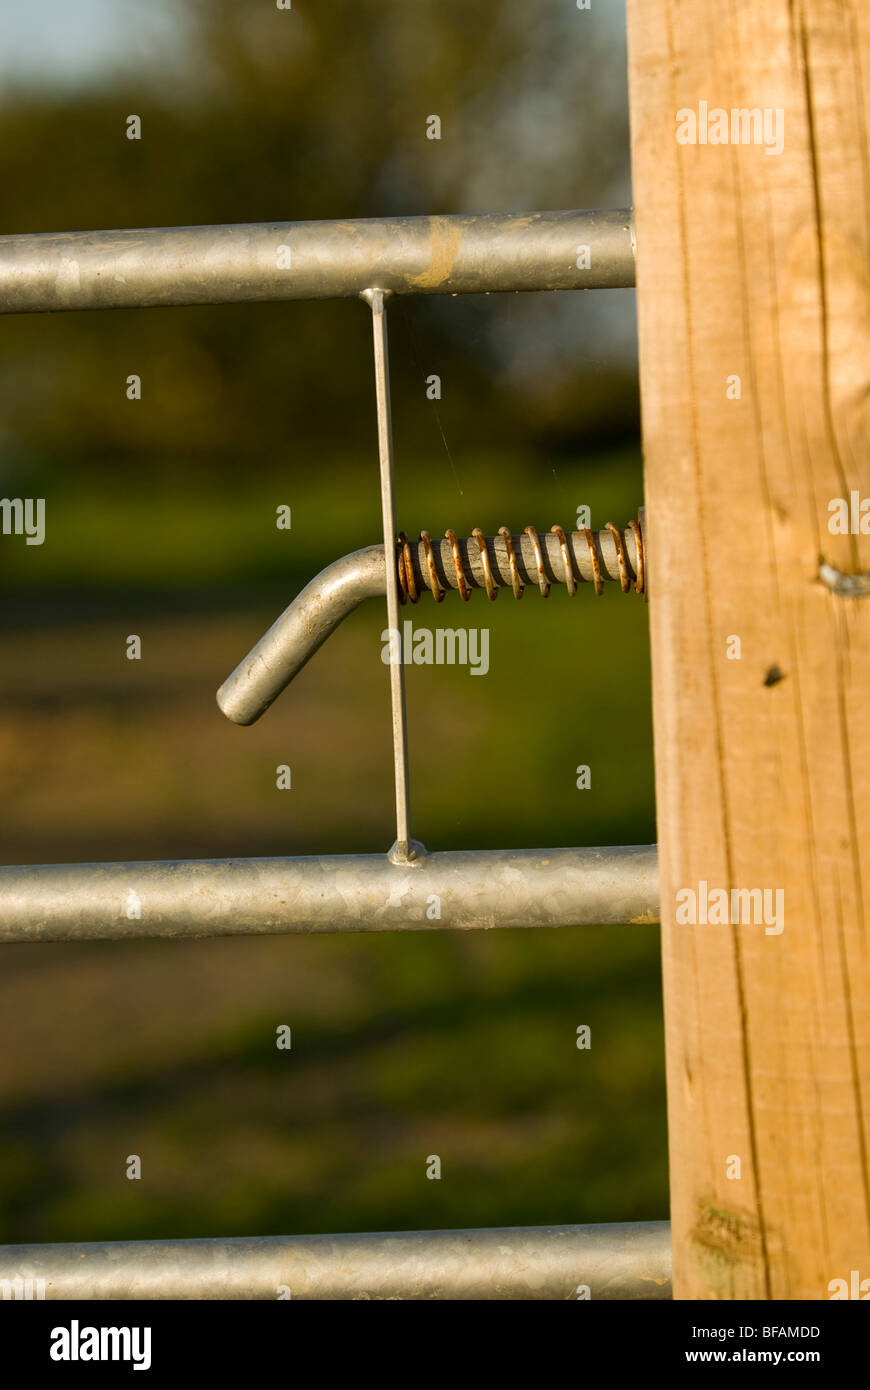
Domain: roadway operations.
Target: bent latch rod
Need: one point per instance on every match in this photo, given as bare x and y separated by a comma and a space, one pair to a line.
580, 559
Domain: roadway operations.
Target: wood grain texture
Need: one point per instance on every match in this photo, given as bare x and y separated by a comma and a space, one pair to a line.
756, 264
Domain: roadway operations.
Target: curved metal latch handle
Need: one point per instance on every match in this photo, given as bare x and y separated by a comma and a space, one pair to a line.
304, 626
478, 562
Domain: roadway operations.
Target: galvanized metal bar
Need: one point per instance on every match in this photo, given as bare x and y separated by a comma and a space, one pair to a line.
247, 262
630, 1261
316, 612
337, 893
376, 299
301, 629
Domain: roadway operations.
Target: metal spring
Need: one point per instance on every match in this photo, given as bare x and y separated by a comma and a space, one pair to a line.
408, 588
512, 561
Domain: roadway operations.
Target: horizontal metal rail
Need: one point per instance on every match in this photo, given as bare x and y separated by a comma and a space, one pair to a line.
461, 889
316, 612
246, 262
619, 1261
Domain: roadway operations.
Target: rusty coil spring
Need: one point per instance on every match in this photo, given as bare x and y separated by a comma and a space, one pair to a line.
408, 588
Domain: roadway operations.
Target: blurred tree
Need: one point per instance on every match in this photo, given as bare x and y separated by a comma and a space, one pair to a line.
312, 113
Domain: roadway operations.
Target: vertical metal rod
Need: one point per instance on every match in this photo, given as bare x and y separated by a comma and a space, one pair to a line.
377, 300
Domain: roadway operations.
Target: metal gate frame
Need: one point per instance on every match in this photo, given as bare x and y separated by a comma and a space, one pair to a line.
372, 259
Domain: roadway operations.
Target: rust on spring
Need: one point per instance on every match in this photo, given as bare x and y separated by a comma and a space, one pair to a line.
508, 539
543, 583
409, 589
437, 591
621, 557
461, 581
491, 589
634, 527
570, 578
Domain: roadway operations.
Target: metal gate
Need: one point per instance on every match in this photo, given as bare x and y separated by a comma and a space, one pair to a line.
375, 260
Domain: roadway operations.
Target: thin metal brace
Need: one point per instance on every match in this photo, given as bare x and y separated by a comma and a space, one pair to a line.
404, 851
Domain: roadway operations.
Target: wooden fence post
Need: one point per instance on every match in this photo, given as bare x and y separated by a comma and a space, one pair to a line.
751, 165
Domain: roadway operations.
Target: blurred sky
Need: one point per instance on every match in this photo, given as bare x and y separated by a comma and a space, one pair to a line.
559, 109
75, 42
78, 41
